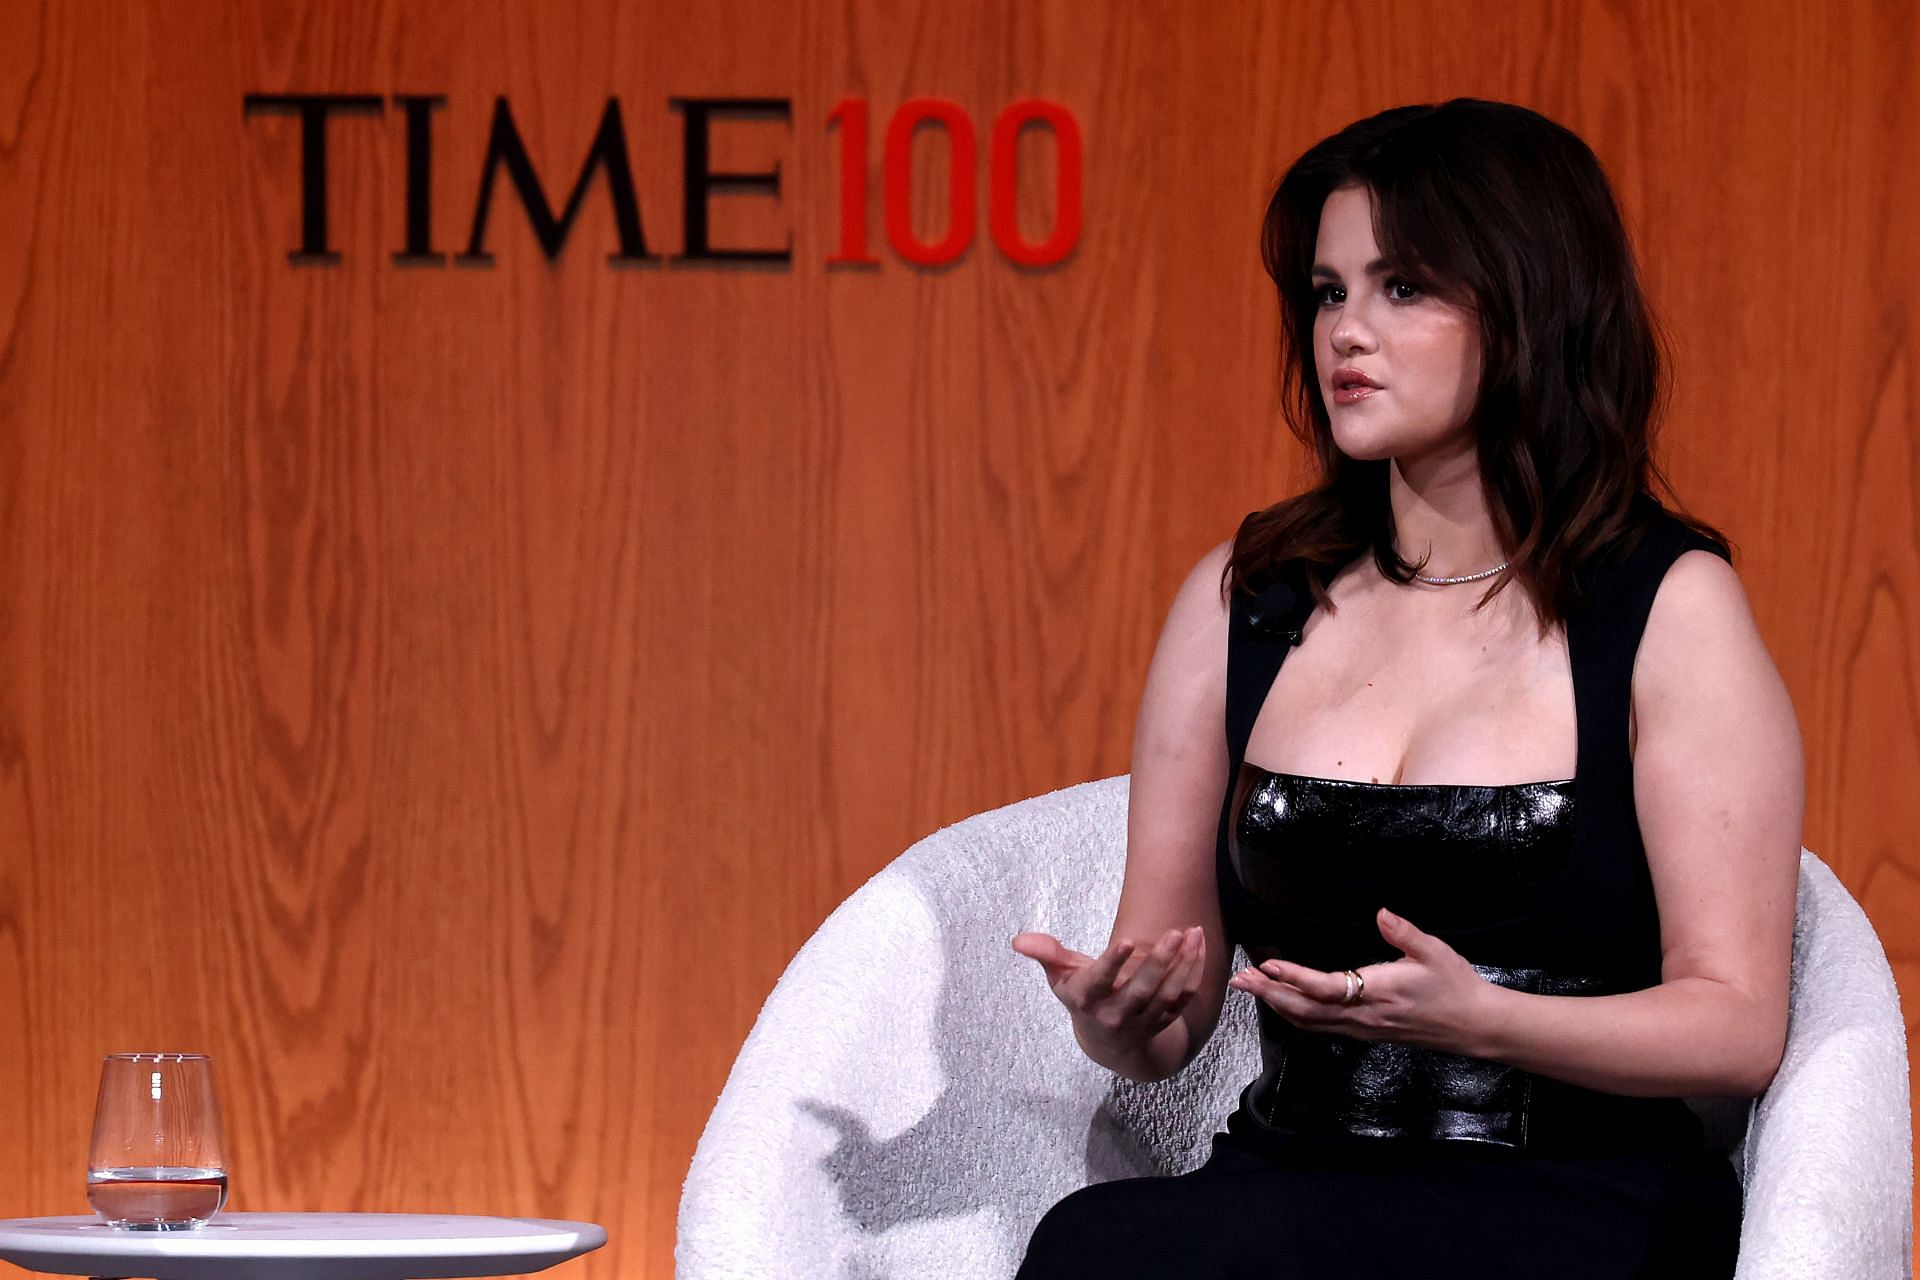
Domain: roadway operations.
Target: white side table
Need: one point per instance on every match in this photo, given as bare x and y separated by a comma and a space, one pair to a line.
300, 1246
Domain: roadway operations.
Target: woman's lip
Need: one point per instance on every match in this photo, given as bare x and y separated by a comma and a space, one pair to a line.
1354, 394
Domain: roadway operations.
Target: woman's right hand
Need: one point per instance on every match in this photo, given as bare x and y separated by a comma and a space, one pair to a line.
1122, 1006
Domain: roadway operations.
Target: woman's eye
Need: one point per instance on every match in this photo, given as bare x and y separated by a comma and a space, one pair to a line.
1321, 298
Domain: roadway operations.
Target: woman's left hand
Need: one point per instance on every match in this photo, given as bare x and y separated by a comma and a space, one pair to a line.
1430, 997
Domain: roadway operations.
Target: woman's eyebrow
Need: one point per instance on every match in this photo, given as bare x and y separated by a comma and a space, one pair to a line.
1374, 268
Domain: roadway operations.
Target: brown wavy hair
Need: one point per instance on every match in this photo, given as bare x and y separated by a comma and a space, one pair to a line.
1499, 210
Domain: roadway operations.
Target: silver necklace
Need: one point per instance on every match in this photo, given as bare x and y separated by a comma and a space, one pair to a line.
1465, 577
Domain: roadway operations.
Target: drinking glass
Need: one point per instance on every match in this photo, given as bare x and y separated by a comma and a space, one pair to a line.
157, 1162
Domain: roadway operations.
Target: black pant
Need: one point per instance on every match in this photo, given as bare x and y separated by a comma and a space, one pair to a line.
1260, 1209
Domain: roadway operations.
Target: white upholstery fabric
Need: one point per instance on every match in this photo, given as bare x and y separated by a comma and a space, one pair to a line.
911, 1100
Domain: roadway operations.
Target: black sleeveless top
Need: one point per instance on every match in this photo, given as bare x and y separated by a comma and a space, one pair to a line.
1542, 886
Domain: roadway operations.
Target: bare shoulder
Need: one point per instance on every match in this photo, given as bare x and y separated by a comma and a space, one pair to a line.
1192, 647
1204, 591
1700, 616
1703, 667
1186, 680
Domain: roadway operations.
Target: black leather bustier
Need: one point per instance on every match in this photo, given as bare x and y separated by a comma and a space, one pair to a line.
1452, 855
1321, 856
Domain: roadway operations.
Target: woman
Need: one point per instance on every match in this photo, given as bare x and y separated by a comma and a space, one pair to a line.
1515, 864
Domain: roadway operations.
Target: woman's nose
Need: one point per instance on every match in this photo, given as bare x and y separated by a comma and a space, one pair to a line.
1351, 334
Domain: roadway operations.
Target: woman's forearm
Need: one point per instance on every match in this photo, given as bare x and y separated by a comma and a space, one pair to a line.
1145, 1061
1690, 1037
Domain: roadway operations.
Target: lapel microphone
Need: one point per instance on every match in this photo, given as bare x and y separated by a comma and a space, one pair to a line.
1270, 611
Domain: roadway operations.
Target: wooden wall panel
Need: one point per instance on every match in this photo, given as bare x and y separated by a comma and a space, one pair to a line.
450, 696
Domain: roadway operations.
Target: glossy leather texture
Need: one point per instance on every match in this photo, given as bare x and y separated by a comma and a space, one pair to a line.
1443, 855
1319, 1083
1439, 854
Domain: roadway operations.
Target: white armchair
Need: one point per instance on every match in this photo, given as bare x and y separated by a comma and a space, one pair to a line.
911, 1100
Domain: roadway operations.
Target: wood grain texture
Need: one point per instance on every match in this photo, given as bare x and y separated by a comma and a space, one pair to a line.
450, 696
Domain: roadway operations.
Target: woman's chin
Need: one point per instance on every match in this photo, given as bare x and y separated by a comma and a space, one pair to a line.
1366, 446
1372, 442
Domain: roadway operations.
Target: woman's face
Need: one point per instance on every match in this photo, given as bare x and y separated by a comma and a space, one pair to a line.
1423, 352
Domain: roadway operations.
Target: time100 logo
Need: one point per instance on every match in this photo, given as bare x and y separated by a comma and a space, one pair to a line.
608, 152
